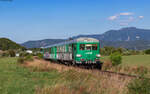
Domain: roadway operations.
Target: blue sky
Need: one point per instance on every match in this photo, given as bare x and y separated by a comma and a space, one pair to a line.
23, 20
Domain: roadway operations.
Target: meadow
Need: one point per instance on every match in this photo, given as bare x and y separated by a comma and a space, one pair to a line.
15, 79
43, 79
137, 60
133, 60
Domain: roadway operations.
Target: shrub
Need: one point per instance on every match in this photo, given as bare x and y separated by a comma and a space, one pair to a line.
116, 58
12, 53
20, 60
40, 55
108, 50
139, 86
29, 58
5, 54
120, 50
26, 58
24, 54
126, 53
147, 51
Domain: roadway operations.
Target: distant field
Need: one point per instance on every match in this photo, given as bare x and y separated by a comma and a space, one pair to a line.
134, 60
139, 60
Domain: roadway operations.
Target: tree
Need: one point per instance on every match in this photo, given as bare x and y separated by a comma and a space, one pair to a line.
12, 53
116, 58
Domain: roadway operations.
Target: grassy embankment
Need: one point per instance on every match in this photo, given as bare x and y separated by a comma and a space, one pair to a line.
40, 78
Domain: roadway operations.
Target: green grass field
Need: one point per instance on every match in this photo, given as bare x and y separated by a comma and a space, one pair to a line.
15, 79
134, 60
139, 60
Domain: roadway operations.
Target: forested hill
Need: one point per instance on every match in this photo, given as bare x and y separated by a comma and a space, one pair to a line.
6, 44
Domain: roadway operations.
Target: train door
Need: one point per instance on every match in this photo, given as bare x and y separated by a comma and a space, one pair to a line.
74, 50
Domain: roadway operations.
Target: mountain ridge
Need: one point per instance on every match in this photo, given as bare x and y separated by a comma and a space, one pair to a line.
124, 37
124, 34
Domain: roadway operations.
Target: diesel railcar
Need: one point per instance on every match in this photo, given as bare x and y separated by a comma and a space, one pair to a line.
80, 51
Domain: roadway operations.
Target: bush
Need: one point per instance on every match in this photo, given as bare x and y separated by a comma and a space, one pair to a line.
20, 60
126, 53
147, 51
12, 53
24, 54
107, 50
40, 55
29, 58
116, 58
5, 54
139, 86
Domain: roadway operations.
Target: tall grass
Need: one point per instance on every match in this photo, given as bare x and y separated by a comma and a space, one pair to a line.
38, 77
139, 86
74, 81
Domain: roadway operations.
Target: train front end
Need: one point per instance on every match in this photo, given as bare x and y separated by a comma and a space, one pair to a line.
88, 52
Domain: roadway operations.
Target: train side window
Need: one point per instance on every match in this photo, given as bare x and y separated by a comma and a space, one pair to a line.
57, 49
43, 50
82, 46
64, 48
70, 48
61, 49
49, 50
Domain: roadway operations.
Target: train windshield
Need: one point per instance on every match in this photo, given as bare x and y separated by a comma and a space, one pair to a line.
88, 46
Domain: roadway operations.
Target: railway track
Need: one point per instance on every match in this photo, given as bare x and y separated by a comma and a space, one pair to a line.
121, 74
110, 73
101, 72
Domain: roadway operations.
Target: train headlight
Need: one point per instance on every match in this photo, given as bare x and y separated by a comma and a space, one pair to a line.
78, 55
98, 55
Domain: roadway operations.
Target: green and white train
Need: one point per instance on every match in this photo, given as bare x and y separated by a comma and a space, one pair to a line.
80, 51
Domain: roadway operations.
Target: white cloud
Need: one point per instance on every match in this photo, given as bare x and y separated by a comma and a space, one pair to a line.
120, 14
113, 17
141, 17
125, 18
126, 13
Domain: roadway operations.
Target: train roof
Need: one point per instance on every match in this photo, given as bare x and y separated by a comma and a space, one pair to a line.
81, 39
